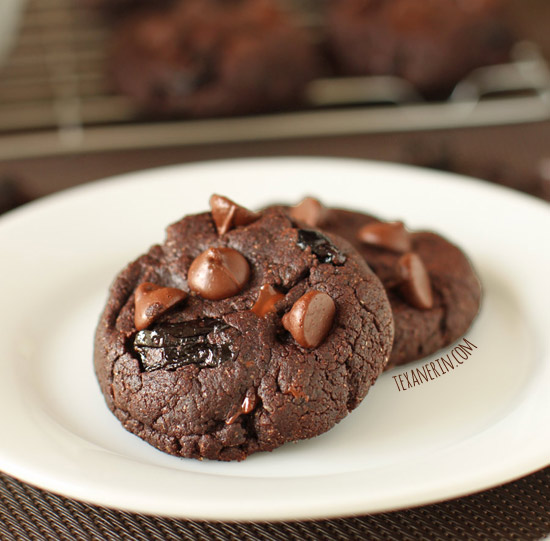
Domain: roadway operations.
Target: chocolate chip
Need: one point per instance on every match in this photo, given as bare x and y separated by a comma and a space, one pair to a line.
227, 214
310, 211
416, 287
250, 401
171, 346
321, 247
266, 301
310, 318
152, 300
389, 235
218, 273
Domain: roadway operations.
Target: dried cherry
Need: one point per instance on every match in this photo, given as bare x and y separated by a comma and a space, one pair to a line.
321, 247
168, 346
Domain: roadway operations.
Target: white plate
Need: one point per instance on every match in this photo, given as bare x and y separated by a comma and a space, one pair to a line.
481, 424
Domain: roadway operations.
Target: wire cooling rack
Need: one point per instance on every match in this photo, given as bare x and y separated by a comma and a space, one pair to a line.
55, 97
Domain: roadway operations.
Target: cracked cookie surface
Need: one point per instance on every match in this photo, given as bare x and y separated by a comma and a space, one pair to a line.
265, 389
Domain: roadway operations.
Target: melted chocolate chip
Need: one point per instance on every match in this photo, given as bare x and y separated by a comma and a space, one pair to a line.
171, 346
416, 286
228, 215
310, 319
218, 273
250, 401
267, 299
320, 246
389, 235
151, 301
310, 211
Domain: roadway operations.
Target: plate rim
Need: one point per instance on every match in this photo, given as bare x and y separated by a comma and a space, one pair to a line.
78, 191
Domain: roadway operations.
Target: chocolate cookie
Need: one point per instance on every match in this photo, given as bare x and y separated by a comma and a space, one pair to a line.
240, 333
212, 57
433, 289
432, 44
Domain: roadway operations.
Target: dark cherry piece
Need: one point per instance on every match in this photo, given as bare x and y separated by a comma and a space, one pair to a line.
171, 346
310, 211
152, 300
390, 235
321, 247
267, 299
218, 273
416, 286
227, 214
310, 318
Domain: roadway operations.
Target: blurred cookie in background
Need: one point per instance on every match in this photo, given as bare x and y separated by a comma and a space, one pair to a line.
432, 44
212, 57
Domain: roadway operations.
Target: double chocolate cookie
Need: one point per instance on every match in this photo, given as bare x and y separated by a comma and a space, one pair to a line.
241, 332
432, 287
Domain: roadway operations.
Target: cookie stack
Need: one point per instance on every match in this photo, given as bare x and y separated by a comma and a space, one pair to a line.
246, 330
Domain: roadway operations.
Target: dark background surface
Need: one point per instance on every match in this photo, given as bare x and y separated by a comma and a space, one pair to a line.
494, 152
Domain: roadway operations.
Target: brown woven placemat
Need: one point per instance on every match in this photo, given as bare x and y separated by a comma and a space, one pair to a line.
518, 510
